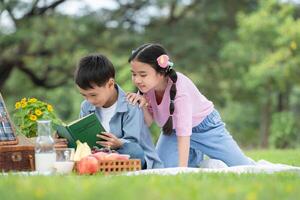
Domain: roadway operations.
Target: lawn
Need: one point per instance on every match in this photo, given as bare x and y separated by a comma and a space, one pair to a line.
153, 187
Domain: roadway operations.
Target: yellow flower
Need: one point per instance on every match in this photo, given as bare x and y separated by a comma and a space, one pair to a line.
32, 100
17, 105
23, 104
32, 110
33, 117
50, 108
293, 45
38, 112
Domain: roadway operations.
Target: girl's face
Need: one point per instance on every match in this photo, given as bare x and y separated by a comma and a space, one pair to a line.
144, 76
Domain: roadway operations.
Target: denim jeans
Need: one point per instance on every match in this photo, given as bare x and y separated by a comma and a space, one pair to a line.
134, 150
210, 137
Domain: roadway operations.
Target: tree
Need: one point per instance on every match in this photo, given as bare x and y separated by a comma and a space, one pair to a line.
17, 46
265, 56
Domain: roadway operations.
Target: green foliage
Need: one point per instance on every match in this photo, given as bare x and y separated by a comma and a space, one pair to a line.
28, 111
240, 120
266, 50
242, 56
284, 132
265, 58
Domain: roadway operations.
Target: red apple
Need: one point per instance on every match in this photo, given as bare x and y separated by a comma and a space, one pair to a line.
100, 156
87, 165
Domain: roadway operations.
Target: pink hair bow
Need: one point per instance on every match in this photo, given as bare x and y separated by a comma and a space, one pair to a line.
163, 61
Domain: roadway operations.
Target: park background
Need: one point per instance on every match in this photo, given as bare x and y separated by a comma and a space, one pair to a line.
242, 54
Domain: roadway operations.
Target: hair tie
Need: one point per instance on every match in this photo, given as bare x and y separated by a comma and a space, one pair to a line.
163, 62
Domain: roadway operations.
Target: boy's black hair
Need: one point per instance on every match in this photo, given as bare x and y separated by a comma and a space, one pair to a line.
148, 53
93, 69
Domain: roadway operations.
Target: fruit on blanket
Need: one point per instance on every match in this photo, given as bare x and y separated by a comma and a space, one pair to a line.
100, 156
116, 156
82, 151
123, 157
111, 156
87, 165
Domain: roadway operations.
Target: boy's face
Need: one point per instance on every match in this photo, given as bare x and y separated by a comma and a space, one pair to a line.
99, 96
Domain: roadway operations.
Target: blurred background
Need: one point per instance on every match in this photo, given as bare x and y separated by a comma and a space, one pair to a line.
243, 55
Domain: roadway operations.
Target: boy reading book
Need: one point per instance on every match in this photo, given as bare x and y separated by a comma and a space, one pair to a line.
84, 129
126, 131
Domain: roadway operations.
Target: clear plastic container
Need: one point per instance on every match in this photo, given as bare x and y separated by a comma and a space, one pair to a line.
45, 155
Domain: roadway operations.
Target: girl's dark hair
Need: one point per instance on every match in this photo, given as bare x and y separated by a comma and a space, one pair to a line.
93, 69
148, 53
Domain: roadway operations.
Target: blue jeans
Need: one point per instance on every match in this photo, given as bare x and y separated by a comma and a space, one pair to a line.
134, 150
210, 137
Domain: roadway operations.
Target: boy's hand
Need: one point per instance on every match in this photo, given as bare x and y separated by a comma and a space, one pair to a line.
60, 142
111, 141
134, 98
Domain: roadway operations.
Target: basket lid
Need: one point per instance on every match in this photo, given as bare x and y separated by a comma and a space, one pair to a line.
7, 130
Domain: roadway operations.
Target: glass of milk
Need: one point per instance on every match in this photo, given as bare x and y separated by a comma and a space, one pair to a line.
45, 155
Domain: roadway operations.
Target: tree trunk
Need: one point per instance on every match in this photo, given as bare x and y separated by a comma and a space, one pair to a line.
266, 113
283, 99
5, 70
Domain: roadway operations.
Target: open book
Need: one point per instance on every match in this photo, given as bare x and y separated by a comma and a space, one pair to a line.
84, 129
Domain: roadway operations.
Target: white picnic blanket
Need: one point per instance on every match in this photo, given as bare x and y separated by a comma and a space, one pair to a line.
215, 166
207, 166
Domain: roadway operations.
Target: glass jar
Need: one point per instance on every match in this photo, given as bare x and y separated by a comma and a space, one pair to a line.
45, 155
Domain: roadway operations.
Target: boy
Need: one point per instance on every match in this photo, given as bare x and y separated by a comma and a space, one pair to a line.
127, 132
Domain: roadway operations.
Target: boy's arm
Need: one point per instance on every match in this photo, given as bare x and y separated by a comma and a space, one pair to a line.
132, 124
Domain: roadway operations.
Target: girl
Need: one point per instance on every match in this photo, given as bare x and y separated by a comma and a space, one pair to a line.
190, 124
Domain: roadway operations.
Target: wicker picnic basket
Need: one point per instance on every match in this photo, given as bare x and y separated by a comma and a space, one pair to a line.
108, 167
7, 130
17, 157
16, 152
116, 166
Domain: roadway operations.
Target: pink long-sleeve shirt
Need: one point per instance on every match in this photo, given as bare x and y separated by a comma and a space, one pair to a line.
191, 107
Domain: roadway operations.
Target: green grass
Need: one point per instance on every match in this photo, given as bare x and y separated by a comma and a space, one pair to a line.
291, 157
153, 187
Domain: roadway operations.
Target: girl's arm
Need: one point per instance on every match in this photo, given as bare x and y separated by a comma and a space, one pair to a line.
183, 150
147, 116
135, 98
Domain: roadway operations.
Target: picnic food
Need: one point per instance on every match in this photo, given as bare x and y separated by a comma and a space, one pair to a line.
82, 151
116, 156
88, 165
100, 156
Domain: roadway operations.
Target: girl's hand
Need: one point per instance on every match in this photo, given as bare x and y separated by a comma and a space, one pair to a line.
111, 141
134, 98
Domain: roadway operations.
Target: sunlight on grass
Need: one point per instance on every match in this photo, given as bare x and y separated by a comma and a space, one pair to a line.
184, 186
291, 157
